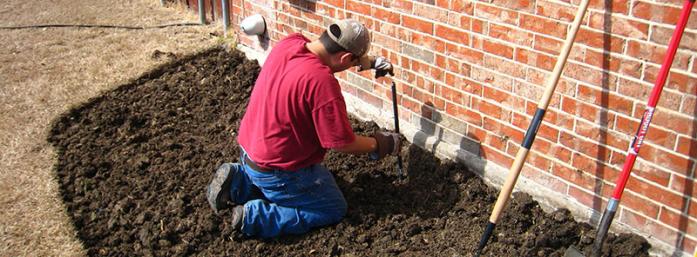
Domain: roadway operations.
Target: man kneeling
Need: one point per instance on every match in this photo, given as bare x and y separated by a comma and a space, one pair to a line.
296, 112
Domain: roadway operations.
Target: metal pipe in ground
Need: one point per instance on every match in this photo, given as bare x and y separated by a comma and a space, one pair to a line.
396, 127
226, 17
201, 12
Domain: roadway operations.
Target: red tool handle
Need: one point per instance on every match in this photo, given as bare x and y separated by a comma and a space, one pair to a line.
653, 99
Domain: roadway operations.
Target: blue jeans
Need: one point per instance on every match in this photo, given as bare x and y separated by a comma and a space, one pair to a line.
285, 202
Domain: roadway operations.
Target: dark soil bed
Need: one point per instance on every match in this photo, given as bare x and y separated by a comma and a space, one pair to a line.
134, 163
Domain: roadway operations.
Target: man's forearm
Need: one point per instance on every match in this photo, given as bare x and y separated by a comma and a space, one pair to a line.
361, 145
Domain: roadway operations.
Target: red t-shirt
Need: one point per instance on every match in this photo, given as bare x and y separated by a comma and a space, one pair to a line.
296, 110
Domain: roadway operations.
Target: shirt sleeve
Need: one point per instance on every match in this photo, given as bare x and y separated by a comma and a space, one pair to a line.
332, 125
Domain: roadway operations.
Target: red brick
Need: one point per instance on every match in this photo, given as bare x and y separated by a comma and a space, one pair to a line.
487, 108
538, 161
455, 66
430, 13
428, 42
494, 13
644, 170
451, 95
544, 26
654, 12
679, 221
462, 7
385, 42
385, 15
600, 40
689, 105
519, 5
464, 84
548, 44
655, 229
584, 73
535, 59
584, 162
430, 2
591, 148
586, 111
491, 154
511, 133
615, 6
493, 78
600, 134
544, 178
504, 66
475, 133
439, 103
445, 4
471, 117
630, 67
633, 201
465, 54
583, 197
506, 99
410, 105
620, 26
660, 136
511, 34
576, 177
684, 186
687, 146
561, 153
455, 35
614, 63
460, 21
678, 81
400, 5
560, 119
656, 54
658, 194
479, 25
592, 95
418, 24
556, 11
674, 122
693, 208
669, 160
369, 98
618, 103
662, 35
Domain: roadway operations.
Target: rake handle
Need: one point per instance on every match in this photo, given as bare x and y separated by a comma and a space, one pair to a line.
522, 154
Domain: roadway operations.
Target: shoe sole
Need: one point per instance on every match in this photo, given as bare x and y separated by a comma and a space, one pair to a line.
219, 185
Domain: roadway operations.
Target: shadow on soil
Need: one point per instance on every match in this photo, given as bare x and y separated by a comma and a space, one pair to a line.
133, 165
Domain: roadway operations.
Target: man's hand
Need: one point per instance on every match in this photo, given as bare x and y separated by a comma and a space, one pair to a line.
382, 67
388, 143
380, 64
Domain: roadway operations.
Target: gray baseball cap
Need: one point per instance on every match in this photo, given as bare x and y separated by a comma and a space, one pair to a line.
351, 35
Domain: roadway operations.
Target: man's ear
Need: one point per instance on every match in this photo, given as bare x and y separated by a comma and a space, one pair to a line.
346, 57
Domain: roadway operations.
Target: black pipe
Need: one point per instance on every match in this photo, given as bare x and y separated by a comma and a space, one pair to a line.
396, 127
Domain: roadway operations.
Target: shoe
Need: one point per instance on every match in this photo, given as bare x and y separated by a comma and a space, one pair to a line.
237, 216
218, 192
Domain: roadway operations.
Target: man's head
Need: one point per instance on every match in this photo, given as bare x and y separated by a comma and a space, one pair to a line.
347, 42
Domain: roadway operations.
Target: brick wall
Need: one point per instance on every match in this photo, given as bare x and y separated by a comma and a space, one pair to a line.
475, 70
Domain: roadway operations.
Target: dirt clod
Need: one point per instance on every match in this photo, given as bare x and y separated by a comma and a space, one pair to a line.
134, 163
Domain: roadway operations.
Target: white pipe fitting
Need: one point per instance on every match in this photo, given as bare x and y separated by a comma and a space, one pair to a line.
253, 25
